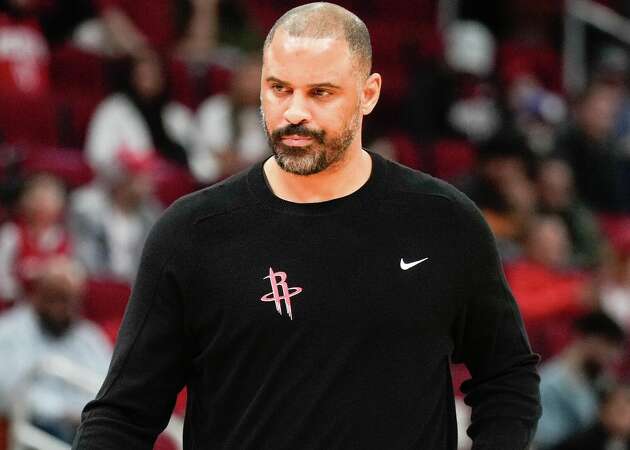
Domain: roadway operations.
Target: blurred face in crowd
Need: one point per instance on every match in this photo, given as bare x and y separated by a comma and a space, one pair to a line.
597, 111
500, 169
147, 76
615, 412
555, 185
42, 201
599, 353
548, 242
313, 99
57, 296
132, 190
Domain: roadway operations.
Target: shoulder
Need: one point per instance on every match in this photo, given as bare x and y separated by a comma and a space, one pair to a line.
15, 323
114, 103
177, 111
90, 334
90, 196
214, 104
220, 198
406, 184
8, 233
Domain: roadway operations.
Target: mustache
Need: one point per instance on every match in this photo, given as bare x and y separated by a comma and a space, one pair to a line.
298, 130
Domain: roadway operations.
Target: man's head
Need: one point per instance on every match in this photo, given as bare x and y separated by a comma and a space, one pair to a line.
316, 86
600, 341
42, 200
57, 295
547, 242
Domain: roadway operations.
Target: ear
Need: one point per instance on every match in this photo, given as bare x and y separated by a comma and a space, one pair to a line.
370, 93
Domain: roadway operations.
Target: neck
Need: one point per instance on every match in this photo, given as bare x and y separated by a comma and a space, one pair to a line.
340, 179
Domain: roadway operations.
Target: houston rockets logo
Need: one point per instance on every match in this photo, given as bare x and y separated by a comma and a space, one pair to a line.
279, 281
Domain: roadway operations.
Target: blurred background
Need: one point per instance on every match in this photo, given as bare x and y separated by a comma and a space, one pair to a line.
112, 109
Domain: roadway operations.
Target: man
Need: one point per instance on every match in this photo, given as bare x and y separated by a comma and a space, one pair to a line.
572, 382
316, 300
50, 326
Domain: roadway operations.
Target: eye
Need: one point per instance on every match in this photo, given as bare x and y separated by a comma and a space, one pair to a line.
319, 92
278, 88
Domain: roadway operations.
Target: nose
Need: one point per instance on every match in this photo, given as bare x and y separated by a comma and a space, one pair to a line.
297, 110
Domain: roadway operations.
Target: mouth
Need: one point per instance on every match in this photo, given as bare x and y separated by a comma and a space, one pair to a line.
296, 140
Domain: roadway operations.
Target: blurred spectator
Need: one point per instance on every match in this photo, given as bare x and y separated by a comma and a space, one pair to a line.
572, 382
111, 217
612, 431
501, 187
557, 196
453, 97
35, 236
543, 282
50, 326
24, 52
470, 52
230, 134
140, 119
588, 146
536, 112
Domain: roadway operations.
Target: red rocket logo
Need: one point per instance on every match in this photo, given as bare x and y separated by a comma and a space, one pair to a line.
280, 291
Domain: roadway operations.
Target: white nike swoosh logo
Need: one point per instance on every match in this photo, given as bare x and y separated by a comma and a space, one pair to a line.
407, 266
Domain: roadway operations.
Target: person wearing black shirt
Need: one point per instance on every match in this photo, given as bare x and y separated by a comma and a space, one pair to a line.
316, 300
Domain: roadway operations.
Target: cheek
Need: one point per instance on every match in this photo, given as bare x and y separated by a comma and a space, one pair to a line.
272, 110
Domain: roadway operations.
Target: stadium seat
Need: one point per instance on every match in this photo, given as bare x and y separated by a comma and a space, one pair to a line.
453, 158
105, 300
67, 164
26, 119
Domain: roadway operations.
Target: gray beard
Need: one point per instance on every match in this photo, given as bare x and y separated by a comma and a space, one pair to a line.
313, 158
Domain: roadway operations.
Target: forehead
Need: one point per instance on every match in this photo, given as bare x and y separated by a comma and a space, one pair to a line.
308, 60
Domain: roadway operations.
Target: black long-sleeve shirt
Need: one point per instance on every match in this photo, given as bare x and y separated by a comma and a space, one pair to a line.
319, 326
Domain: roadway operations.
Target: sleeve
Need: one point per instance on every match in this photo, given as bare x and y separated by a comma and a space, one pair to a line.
491, 341
152, 356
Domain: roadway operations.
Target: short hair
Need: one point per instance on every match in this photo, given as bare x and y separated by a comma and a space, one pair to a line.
322, 20
601, 325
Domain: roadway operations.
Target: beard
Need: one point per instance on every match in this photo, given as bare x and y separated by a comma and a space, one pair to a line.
313, 158
54, 327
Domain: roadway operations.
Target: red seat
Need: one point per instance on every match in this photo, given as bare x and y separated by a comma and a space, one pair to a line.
67, 164
25, 119
453, 158
73, 69
105, 300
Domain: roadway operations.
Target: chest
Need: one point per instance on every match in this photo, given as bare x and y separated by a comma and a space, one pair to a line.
341, 272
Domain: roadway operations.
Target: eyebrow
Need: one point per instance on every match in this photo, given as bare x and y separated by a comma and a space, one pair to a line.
315, 85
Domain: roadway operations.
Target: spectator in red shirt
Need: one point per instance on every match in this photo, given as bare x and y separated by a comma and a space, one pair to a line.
33, 238
542, 281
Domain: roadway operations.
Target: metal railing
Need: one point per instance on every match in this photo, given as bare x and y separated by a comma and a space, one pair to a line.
24, 435
579, 14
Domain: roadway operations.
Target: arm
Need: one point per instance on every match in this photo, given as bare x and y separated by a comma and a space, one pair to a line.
124, 35
201, 35
490, 339
152, 357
